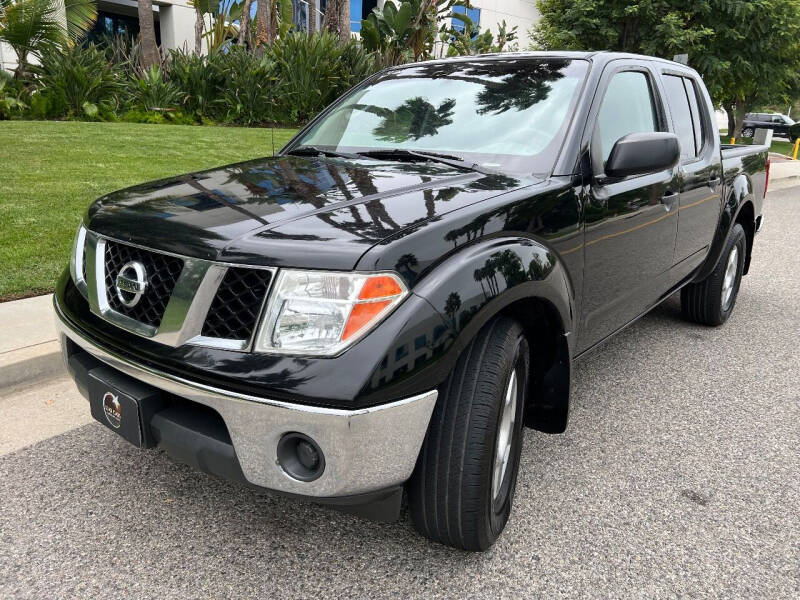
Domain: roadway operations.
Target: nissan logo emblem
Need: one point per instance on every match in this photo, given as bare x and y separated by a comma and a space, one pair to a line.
131, 283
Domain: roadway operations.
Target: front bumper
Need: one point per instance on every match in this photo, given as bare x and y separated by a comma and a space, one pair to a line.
366, 450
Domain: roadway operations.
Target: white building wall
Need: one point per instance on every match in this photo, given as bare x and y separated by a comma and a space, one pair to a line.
521, 13
176, 20
8, 58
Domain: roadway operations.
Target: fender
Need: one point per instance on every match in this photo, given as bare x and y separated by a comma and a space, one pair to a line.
524, 278
740, 195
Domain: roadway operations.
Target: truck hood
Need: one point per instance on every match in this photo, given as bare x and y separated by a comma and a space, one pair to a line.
289, 210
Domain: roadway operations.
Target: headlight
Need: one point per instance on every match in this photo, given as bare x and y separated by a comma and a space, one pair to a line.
321, 314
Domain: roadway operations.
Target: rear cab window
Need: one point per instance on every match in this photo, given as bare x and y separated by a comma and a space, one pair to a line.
687, 122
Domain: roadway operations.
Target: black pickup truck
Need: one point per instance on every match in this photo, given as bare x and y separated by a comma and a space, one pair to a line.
386, 304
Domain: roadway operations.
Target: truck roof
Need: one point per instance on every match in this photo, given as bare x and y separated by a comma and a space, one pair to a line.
596, 56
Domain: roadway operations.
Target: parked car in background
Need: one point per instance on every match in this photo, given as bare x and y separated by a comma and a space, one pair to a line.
780, 124
390, 301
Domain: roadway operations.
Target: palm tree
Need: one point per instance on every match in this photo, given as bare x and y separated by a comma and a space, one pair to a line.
244, 27
31, 26
147, 35
312, 16
337, 19
263, 25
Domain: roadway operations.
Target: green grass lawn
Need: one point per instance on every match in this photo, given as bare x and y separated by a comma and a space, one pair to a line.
51, 171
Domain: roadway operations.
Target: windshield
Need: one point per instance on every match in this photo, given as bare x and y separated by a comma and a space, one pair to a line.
505, 114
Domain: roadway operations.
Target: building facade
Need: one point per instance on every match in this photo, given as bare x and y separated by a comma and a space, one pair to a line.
174, 25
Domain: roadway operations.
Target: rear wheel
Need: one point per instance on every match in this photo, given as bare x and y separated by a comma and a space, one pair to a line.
463, 486
748, 133
711, 301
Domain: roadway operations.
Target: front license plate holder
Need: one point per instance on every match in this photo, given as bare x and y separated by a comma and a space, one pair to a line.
124, 405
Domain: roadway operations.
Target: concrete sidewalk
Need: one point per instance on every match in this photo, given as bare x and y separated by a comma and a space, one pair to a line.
783, 172
29, 347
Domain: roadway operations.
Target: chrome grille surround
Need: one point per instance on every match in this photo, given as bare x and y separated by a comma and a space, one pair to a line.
187, 307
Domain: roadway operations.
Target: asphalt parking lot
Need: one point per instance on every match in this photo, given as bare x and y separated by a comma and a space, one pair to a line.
679, 475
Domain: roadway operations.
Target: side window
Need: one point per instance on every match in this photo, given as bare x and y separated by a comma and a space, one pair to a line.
627, 107
697, 121
681, 114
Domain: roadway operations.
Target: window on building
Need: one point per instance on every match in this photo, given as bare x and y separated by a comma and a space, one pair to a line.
359, 9
420, 341
473, 13
401, 353
628, 107
109, 25
300, 15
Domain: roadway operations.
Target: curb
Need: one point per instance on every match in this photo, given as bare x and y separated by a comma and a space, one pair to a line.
30, 365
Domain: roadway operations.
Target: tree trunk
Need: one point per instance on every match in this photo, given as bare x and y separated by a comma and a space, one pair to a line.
332, 16
344, 20
273, 23
147, 35
244, 27
731, 112
21, 71
198, 31
312, 16
741, 110
263, 21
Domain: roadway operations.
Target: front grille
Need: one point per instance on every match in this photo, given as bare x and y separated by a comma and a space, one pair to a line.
234, 310
162, 274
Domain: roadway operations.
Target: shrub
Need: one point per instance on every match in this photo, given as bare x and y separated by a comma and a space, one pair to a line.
296, 78
250, 89
9, 97
315, 70
143, 116
200, 80
78, 82
152, 91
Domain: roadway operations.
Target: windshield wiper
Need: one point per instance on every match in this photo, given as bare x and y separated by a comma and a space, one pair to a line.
317, 151
420, 155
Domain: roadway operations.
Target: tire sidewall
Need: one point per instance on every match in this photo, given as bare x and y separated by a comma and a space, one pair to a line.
737, 240
498, 516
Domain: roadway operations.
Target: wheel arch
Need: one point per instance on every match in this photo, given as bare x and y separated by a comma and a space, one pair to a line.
483, 282
739, 208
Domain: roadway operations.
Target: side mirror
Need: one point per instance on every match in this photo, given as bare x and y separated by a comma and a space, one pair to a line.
641, 153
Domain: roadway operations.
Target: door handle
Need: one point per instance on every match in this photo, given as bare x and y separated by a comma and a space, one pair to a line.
668, 199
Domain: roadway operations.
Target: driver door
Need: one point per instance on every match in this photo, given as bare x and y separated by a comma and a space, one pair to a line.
631, 223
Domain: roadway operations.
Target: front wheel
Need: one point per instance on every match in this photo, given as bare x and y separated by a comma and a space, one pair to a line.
711, 301
463, 486
748, 133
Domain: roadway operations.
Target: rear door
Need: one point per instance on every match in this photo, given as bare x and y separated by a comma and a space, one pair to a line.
631, 223
700, 187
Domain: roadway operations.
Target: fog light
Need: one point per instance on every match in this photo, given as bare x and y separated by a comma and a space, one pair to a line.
300, 457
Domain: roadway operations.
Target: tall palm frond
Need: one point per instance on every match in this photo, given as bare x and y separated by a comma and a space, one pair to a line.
28, 26
81, 15
31, 26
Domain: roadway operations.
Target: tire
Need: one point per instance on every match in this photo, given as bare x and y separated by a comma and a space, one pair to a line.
748, 133
704, 302
453, 494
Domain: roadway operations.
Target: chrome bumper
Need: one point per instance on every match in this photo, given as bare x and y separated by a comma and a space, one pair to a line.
365, 450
